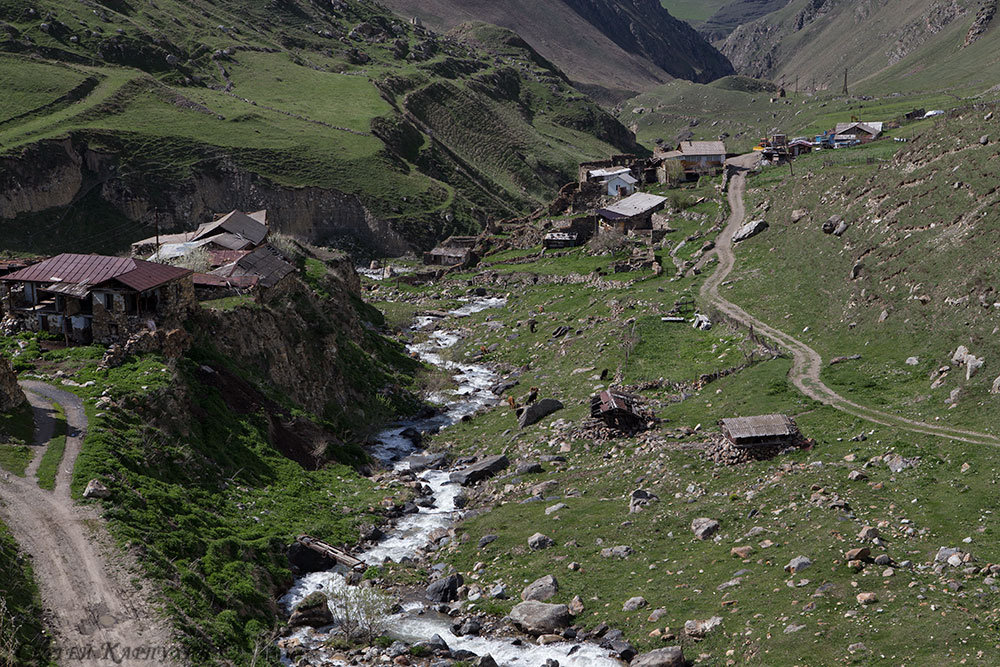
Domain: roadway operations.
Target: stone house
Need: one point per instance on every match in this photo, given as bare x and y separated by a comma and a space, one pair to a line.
631, 213
96, 298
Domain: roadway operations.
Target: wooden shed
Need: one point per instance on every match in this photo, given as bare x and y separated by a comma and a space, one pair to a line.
759, 431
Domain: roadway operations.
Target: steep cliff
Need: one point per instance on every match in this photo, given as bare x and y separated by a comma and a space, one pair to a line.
117, 117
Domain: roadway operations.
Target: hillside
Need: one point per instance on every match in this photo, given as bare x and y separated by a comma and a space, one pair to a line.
347, 123
609, 49
814, 41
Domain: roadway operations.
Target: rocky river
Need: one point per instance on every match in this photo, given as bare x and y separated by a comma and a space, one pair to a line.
419, 621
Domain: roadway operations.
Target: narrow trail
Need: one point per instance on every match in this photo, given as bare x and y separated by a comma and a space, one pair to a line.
807, 364
97, 617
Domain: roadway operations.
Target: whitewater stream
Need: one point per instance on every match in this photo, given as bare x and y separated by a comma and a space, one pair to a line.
414, 623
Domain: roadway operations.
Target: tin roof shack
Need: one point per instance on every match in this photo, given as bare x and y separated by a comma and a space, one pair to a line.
857, 132
760, 431
618, 410
263, 270
453, 251
634, 212
97, 298
233, 231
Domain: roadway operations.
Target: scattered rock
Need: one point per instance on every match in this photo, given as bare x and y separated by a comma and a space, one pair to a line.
620, 551
861, 553
798, 564
477, 472
576, 606
538, 618
537, 542
799, 214
700, 629
529, 468
96, 490
741, 552
748, 230
868, 533
857, 476
541, 589
789, 629
11, 394
670, 656
634, 603
912, 361
704, 528
530, 414
898, 464
639, 499
985, 139
444, 589
840, 228
486, 540
555, 508
867, 598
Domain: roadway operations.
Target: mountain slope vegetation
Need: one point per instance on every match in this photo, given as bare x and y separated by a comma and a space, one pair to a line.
814, 41
610, 49
344, 120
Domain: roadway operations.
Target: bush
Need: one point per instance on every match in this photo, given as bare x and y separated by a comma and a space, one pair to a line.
361, 611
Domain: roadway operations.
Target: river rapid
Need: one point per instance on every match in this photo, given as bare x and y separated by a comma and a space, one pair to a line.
416, 622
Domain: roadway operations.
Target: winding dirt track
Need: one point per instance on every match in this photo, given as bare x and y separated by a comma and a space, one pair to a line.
96, 617
807, 363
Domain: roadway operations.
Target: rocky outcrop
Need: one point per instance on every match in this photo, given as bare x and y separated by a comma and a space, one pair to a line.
51, 175
313, 612
671, 656
11, 395
530, 414
983, 19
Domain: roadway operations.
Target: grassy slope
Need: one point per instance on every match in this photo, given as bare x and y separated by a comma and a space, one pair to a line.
298, 111
16, 436
670, 568
912, 229
20, 594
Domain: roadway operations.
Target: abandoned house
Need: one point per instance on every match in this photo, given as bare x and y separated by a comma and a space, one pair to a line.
233, 232
264, 269
560, 240
94, 298
634, 212
453, 251
759, 431
616, 409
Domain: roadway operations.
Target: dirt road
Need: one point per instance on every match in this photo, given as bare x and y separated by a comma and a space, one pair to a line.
96, 616
807, 363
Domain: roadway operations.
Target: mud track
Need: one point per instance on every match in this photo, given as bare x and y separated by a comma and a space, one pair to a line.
807, 364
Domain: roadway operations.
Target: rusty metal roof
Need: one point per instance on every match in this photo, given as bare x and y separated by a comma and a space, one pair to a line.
76, 290
761, 426
266, 262
212, 280
93, 270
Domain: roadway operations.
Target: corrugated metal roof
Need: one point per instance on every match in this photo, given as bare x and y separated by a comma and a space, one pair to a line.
148, 275
221, 257
236, 222
612, 171
702, 148
761, 426
633, 205
93, 270
73, 268
267, 263
230, 241
212, 280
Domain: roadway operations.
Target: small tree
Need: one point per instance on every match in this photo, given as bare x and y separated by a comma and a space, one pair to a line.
361, 611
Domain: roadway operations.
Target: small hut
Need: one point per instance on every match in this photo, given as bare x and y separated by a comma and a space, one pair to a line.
759, 431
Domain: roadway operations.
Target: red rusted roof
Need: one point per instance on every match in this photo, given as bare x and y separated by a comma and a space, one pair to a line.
96, 269
148, 275
221, 257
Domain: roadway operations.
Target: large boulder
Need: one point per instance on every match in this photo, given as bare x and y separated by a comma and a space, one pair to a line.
541, 589
445, 589
11, 395
477, 472
530, 414
303, 560
314, 612
752, 228
540, 618
671, 656
421, 462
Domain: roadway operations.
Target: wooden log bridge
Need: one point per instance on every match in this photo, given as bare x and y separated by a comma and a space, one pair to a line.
339, 555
